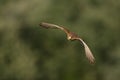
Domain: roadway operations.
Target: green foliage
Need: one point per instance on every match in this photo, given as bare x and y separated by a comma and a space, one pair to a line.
29, 52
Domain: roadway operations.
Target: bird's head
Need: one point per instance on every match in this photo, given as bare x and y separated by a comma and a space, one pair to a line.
69, 37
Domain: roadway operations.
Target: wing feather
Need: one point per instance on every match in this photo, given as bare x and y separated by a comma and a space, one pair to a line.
48, 25
53, 26
88, 52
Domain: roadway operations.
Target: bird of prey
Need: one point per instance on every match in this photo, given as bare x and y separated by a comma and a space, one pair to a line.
71, 36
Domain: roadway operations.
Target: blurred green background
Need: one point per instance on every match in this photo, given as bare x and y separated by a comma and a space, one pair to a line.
29, 52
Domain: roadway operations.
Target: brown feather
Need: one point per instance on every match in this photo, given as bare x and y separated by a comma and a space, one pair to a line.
88, 52
71, 36
53, 26
48, 25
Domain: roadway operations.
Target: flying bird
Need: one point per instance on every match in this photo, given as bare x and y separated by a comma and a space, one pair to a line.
71, 36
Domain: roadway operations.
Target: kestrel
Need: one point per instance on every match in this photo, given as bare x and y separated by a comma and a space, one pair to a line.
71, 36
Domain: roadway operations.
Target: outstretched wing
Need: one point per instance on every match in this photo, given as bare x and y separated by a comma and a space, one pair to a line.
48, 25
53, 26
88, 52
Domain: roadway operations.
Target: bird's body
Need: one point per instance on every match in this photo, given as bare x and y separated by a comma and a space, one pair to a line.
71, 36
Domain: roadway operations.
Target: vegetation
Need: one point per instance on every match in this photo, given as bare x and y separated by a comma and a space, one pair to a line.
28, 52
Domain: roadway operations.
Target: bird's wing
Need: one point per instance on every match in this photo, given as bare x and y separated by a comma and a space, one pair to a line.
88, 52
53, 26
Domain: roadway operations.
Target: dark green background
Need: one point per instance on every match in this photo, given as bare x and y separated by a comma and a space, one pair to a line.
29, 52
